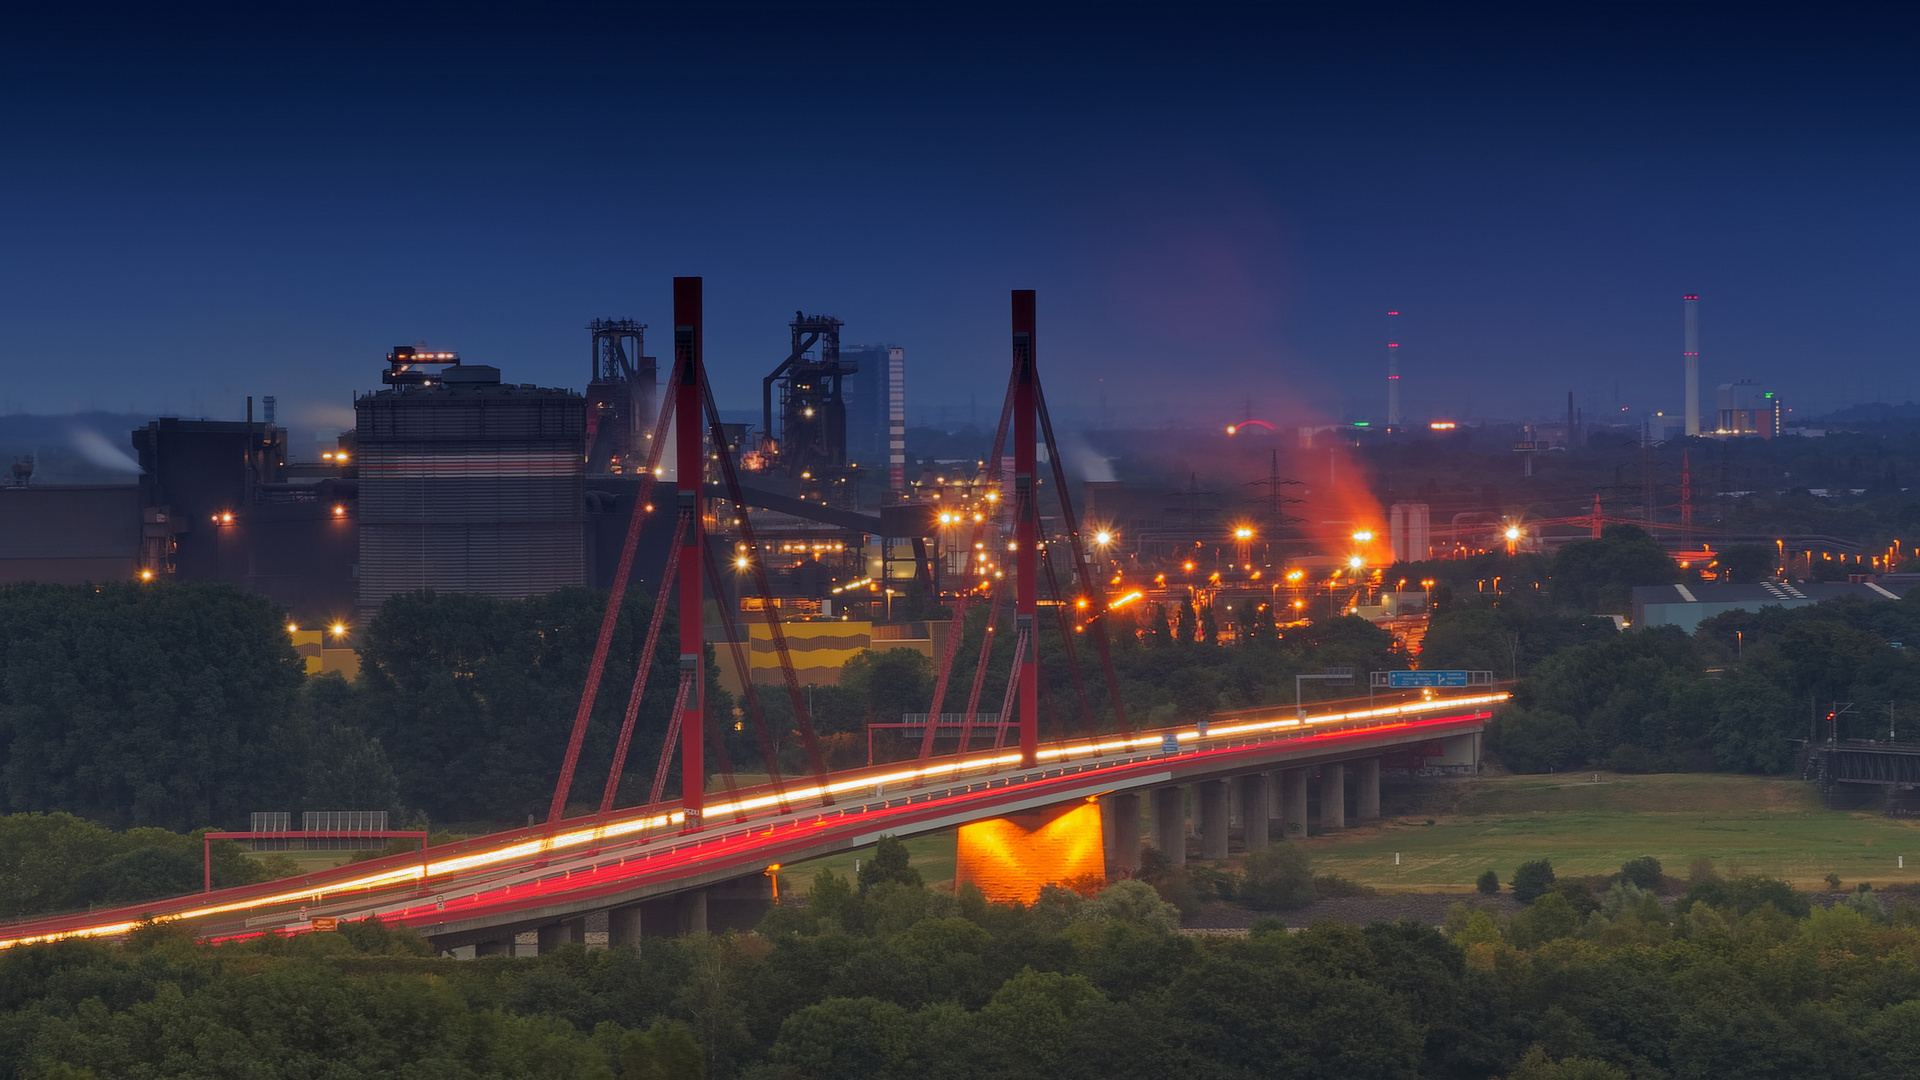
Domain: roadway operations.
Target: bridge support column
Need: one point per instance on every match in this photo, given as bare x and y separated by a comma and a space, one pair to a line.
526, 943
693, 911
1215, 817
1170, 824
1293, 802
623, 925
1333, 796
1254, 808
1368, 803
597, 930
552, 937
1122, 831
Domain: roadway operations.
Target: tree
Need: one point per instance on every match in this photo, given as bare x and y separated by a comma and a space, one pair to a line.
1599, 575
1532, 880
146, 704
1747, 564
1534, 740
1643, 872
1279, 877
666, 1050
1488, 883
889, 684
891, 861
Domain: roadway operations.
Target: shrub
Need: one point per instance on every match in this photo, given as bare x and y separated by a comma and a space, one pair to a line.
1327, 885
1644, 871
1488, 884
1532, 880
1744, 894
1130, 902
1279, 877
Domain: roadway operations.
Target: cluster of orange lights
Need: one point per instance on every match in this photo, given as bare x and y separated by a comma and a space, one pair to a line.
336, 456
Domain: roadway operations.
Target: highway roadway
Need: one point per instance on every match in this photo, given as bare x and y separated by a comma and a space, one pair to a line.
468, 891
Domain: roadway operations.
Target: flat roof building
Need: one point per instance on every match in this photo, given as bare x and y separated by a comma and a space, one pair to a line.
1687, 606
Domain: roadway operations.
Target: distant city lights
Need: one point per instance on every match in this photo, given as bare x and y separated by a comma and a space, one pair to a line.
1443, 425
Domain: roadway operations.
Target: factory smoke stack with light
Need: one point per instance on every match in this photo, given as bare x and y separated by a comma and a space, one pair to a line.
1393, 371
1693, 364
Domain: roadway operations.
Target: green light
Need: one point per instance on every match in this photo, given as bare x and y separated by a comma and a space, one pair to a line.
1362, 423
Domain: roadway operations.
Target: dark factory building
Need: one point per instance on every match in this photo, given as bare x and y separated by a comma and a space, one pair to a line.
468, 484
67, 534
219, 502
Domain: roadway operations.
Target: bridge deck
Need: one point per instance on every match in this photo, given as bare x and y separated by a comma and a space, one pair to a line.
550, 872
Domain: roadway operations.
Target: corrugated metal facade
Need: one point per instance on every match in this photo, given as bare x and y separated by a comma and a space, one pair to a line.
469, 488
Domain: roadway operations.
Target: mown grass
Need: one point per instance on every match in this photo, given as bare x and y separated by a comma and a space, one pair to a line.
1747, 825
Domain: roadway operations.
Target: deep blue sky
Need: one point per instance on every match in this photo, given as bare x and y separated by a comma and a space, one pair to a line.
1216, 202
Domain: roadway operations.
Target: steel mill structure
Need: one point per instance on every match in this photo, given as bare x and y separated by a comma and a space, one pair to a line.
467, 483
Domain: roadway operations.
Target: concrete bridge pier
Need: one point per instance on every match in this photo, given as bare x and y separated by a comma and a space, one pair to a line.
552, 937
1121, 829
1170, 824
1215, 817
526, 943
1293, 802
1254, 810
623, 925
692, 910
1367, 772
1333, 796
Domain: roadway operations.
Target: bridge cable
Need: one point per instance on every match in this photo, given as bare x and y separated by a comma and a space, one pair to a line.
1073, 655
767, 609
958, 624
1013, 688
980, 668
762, 732
1081, 571
642, 505
643, 667
673, 739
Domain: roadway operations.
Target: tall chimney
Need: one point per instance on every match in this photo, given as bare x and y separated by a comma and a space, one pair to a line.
1393, 371
1692, 302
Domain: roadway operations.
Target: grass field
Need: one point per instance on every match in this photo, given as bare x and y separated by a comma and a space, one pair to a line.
1747, 825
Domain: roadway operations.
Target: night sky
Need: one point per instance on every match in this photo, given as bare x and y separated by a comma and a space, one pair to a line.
1217, 203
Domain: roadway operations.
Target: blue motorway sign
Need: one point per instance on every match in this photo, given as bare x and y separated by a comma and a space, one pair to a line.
1402, 680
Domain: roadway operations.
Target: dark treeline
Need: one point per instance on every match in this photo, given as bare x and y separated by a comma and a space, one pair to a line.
183, 706
893, 980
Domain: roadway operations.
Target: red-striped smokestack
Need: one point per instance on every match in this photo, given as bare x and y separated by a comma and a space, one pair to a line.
1692, 354
1393, 370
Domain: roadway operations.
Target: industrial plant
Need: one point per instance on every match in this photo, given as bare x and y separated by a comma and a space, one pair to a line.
455, 478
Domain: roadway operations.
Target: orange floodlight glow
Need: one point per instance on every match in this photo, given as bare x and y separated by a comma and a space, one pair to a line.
1012, 858
1443, 425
